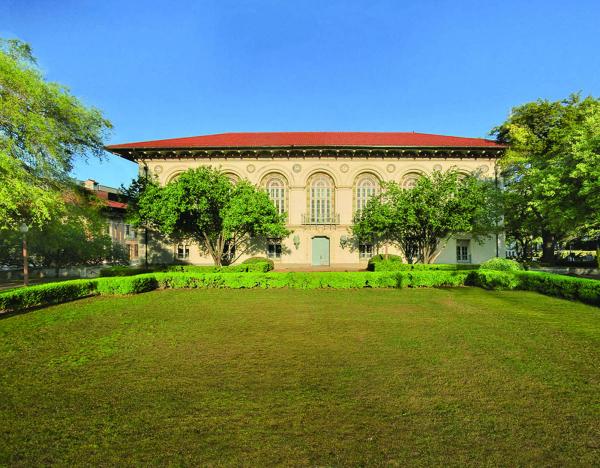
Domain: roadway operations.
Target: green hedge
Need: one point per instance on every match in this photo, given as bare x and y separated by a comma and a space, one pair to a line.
252, 260
113, 271
567, 287
491, 279
127, 285
257, 265
585, 290
501, 264
394, 265
549, 284
262, 267
46, 294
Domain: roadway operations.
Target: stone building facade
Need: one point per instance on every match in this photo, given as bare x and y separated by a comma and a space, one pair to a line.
320, 179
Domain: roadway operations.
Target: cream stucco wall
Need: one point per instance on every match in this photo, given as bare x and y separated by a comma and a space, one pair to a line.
344, 172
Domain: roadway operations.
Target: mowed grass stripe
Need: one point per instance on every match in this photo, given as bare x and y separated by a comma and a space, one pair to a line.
319, 377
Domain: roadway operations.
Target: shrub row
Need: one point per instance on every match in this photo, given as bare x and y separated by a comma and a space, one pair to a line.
566, 287
394, 265
584, 290
296, 280
25, 298
501, 264
46, 294
256, 264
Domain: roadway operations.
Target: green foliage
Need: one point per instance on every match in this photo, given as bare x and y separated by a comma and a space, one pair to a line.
255, 266
501, 264
46, 294
240, 268
76, 235
551, 171
43, 128
398, 266
260, 260
127, 285
492, 279
580, 289
204, 206
567, 287
376, 259
421, 219
598, 257
119, 270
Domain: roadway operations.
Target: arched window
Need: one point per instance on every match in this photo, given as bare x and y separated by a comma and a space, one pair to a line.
234, 178
366, 187
276, 190
410, 180
174, 177
321, 200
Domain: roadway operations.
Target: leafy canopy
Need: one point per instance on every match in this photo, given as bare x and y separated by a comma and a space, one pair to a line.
43, 128
552, 170
76, 235
421, 219
205, 207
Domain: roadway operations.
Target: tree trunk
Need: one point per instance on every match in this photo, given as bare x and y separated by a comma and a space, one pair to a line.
547, 247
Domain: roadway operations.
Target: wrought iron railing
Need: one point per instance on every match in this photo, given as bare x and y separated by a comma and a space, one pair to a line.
321, 219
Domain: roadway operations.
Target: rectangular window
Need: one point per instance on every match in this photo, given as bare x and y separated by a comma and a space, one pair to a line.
183, 252
130, 232
274, 248
463, 254
136, 252
365, 250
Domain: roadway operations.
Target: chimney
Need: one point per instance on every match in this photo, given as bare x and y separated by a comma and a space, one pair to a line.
91, 184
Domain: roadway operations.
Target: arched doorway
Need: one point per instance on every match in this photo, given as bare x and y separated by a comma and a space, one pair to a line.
320, 251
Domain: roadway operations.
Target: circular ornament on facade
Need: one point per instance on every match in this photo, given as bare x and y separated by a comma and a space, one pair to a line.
390, 168
250, 168
437, 167
296, 168
483, 169
158, 169
344, 168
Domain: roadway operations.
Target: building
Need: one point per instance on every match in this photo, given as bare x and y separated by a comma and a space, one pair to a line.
115, 209
320, 179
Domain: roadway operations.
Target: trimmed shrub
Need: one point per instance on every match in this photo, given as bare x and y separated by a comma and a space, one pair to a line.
585, 290
46, 294
120, 271
127, 285
397, 266
240, 268
567, 287
253, 260
501, 264
435, 279
492, 279
375, 259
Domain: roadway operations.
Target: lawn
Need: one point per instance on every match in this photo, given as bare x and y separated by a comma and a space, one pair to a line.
260, 377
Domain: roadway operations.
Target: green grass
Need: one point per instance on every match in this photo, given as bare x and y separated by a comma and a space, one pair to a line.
260, 377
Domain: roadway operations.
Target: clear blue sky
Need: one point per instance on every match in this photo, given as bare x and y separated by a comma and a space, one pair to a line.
176, 68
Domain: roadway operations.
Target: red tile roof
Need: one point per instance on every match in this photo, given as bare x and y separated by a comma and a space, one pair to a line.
311, 139
116, 204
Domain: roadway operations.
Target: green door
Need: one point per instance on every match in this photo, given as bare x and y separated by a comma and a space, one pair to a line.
320, 251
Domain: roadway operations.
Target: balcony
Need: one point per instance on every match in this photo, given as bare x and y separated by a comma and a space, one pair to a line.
322, 220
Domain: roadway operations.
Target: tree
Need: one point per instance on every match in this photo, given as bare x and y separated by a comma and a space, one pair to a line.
74, 236
205, 207
371, 225
551, 169
420, 220
43, 128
